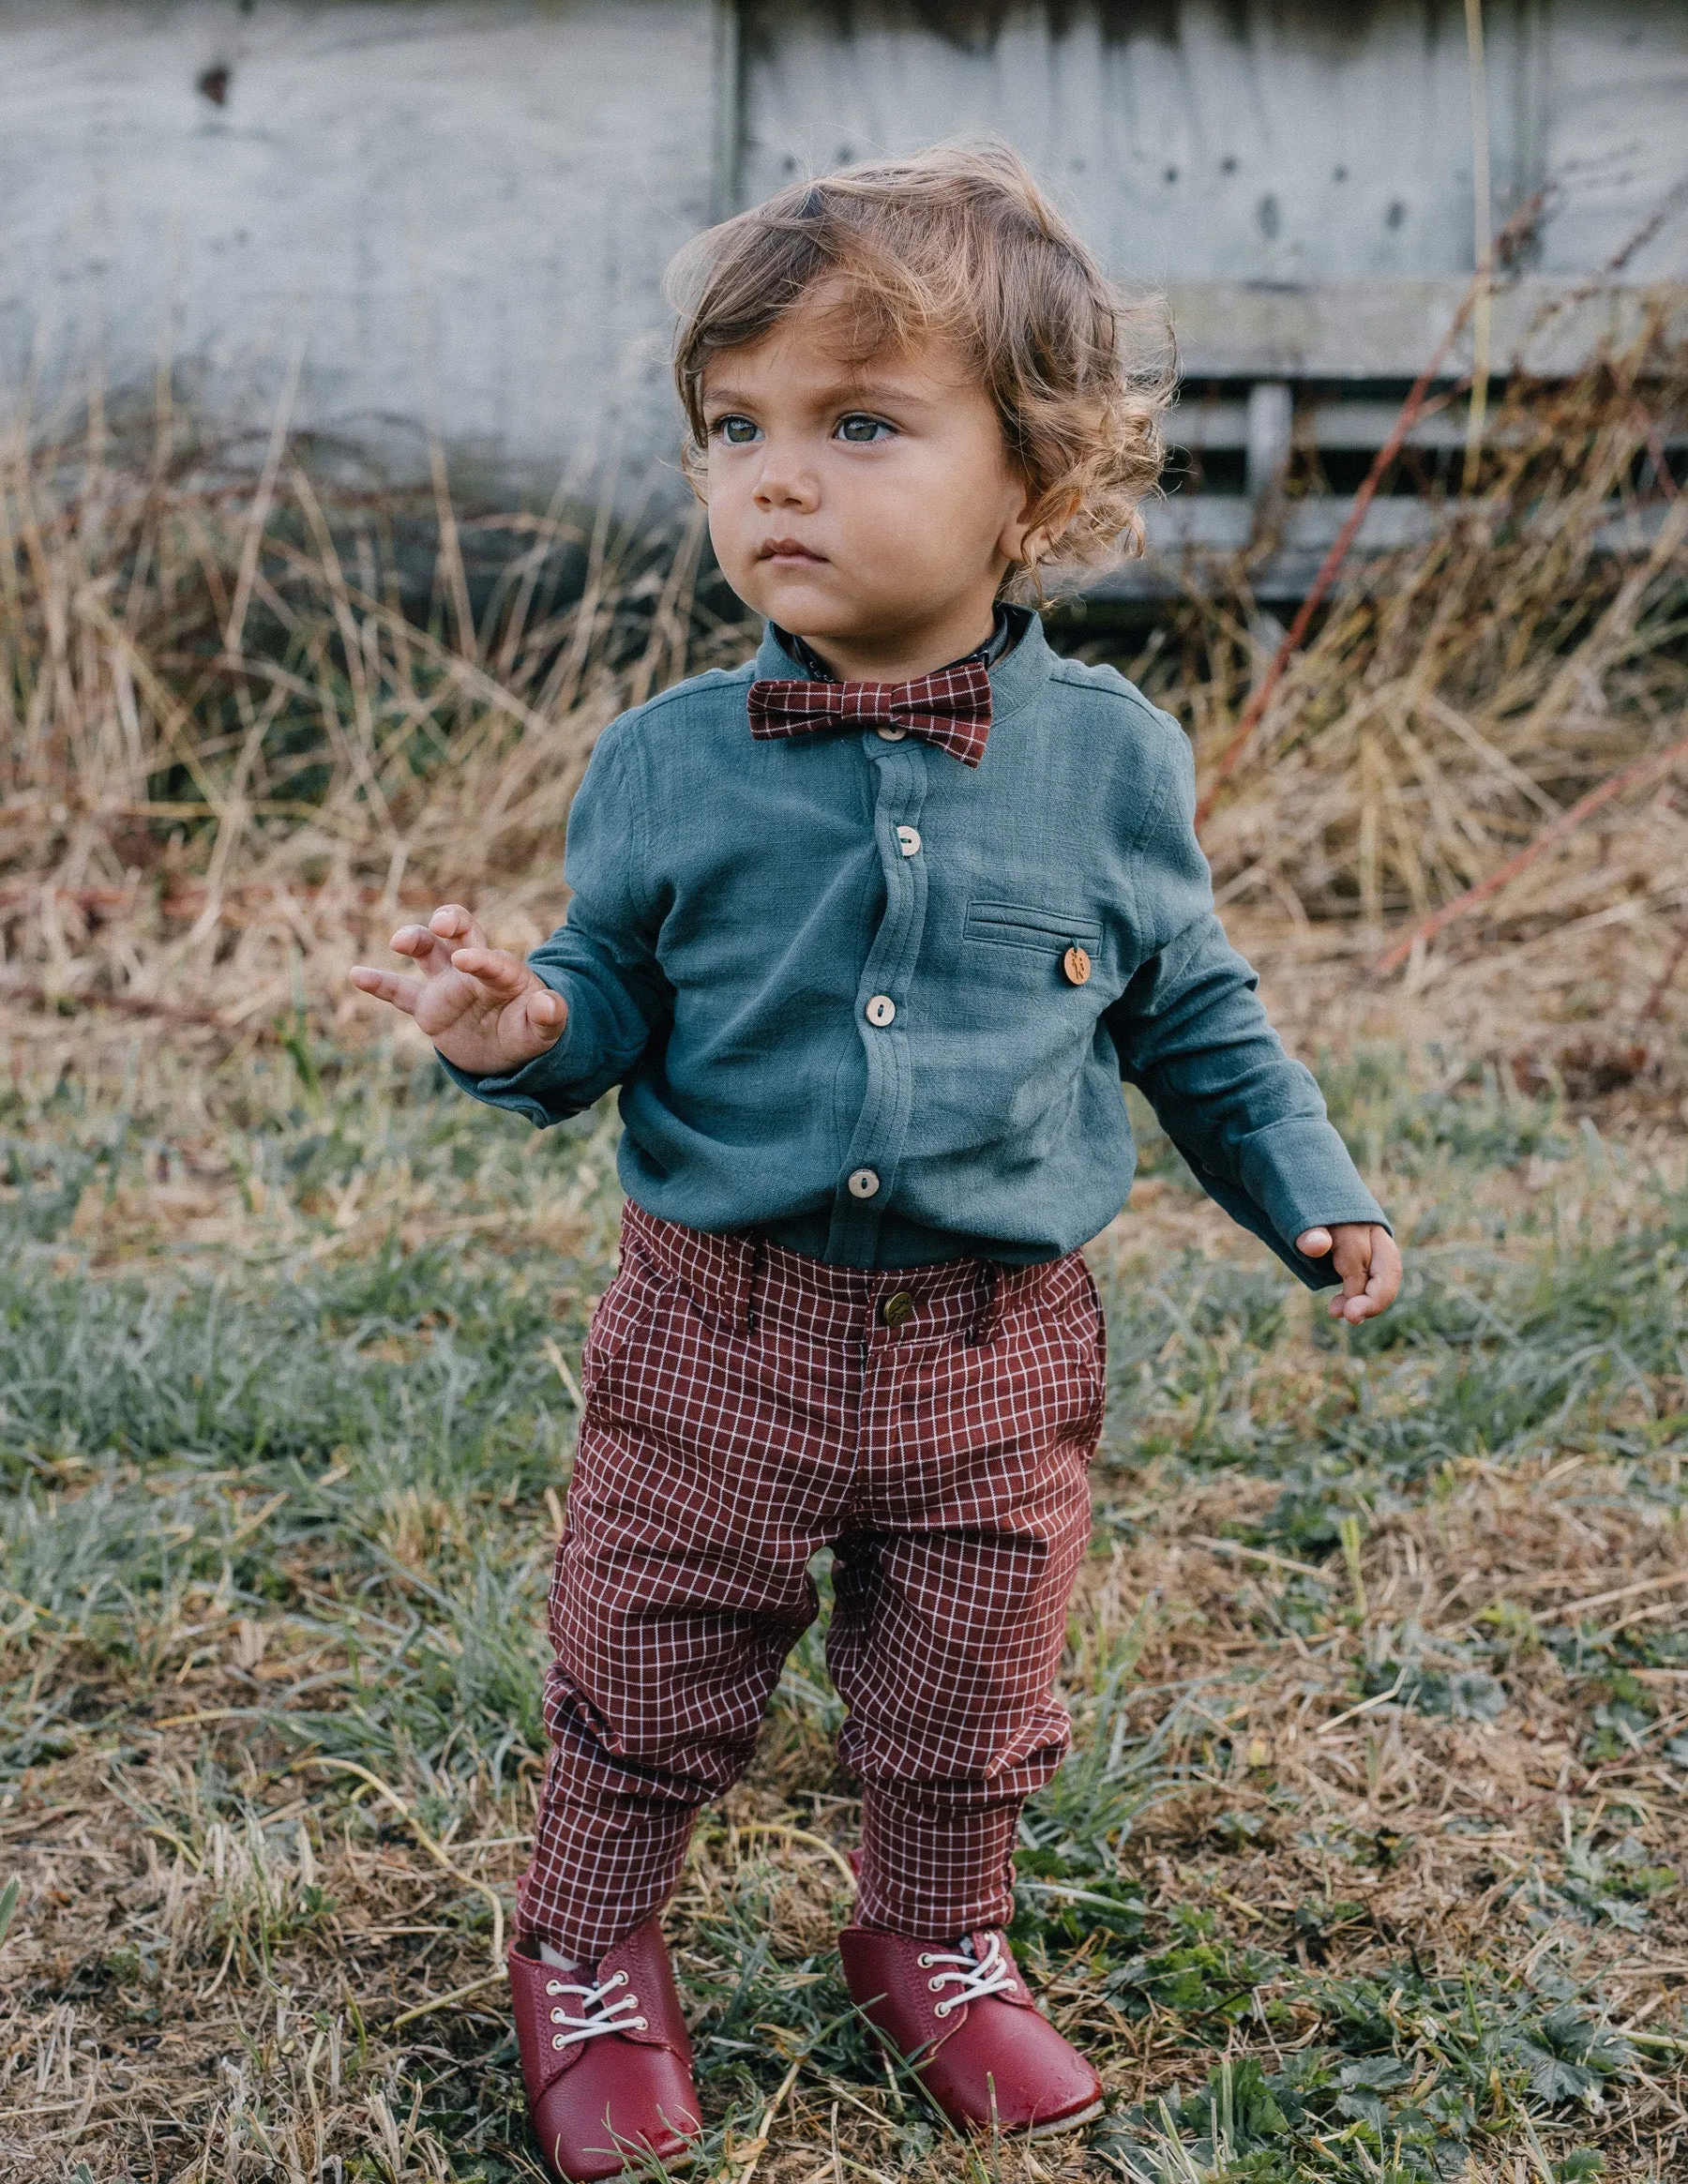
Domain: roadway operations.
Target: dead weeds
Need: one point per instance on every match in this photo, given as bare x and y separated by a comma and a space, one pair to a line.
1365, 1863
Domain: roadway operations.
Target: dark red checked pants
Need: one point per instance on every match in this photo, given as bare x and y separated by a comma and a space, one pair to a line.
746, 1407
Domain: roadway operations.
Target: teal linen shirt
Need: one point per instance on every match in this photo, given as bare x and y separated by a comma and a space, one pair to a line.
738, 904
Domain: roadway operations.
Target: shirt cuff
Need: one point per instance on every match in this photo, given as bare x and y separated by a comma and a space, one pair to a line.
1293, 1176
543, 1090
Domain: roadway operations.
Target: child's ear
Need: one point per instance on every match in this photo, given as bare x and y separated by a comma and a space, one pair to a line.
1039, 528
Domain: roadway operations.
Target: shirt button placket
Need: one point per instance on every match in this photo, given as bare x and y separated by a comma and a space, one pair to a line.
869, 1180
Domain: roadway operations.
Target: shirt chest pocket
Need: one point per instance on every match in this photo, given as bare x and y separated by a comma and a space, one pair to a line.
1034, 926
1066, 940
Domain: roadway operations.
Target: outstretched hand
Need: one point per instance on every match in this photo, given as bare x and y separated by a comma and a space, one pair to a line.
1366, 1258
482, 1007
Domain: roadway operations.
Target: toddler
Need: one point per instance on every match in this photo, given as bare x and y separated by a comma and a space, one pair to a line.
868, 932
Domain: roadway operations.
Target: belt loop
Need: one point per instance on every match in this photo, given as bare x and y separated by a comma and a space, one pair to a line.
991, 1311
753, 1275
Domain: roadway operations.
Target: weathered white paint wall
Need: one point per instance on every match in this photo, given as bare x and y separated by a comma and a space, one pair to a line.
1207, 142
1296, 172
460, 208
1614, 105
459, 211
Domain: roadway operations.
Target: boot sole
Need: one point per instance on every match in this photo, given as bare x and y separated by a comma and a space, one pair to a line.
1031, 2130
1063, 2123
647, 2168
651, 2166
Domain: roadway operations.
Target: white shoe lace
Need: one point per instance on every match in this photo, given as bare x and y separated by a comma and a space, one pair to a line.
611, 2017
975, 1978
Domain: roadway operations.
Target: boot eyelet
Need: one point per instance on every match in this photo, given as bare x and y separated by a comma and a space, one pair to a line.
641, 2024
943, 2009
558, 2017
934, 1986
924, 1958
620, 1980
559, 2041
551, 1987
633, 2001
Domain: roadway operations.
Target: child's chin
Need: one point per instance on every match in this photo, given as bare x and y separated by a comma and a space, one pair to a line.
797, 600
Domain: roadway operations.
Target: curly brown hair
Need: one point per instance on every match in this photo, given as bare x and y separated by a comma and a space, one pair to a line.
957, 242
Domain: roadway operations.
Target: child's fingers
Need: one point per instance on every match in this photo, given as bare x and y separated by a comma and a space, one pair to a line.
456, 926
546, 1012
1369, 1262
503, 973
385, 986
425, 948
1383, 1277
1312, 1242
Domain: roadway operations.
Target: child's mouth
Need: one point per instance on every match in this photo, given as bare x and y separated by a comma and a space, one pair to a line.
790, 550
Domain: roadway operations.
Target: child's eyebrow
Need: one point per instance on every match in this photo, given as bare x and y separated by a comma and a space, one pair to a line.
872, 393
857, 392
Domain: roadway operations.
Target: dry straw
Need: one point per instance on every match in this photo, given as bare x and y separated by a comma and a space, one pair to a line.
233, 748
1462, 699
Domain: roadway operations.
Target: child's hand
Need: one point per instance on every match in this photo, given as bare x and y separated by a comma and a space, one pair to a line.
1365, 1257
484, 1009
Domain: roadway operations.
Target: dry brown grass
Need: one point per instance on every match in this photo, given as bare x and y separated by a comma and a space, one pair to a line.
1461, 700
231, 750
228, 751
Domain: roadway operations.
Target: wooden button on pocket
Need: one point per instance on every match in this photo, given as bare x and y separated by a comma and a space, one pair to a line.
1077, 964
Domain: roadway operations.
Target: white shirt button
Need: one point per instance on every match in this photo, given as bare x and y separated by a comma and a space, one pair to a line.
882, 1009
891, 735
863, 1184
908, 840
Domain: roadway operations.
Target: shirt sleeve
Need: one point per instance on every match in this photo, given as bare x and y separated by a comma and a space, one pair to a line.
602, 959
1193, 1036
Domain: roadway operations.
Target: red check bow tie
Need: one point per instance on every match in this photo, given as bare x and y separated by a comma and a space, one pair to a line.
951, 708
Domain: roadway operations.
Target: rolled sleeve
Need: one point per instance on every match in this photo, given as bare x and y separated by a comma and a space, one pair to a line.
544, 1090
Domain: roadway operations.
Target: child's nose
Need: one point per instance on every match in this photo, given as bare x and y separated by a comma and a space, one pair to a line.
784, 484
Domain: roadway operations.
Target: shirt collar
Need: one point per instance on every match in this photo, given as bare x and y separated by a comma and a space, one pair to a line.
1010, 627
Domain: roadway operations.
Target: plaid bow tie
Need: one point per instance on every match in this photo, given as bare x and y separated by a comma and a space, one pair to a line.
951, 709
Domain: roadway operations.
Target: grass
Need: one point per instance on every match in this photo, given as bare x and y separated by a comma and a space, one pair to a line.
1364, 1865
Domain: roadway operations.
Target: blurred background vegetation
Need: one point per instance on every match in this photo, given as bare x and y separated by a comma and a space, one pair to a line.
1365, 1865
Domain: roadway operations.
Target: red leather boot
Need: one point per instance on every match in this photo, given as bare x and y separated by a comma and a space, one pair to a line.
605, 2058
958, 2012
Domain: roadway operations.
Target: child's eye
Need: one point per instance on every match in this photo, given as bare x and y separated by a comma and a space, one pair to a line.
861, 430
735, 431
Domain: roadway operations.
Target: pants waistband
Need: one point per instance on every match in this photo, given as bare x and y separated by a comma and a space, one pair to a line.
751, 1282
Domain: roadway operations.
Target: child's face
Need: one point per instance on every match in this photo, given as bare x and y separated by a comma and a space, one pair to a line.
869, 507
